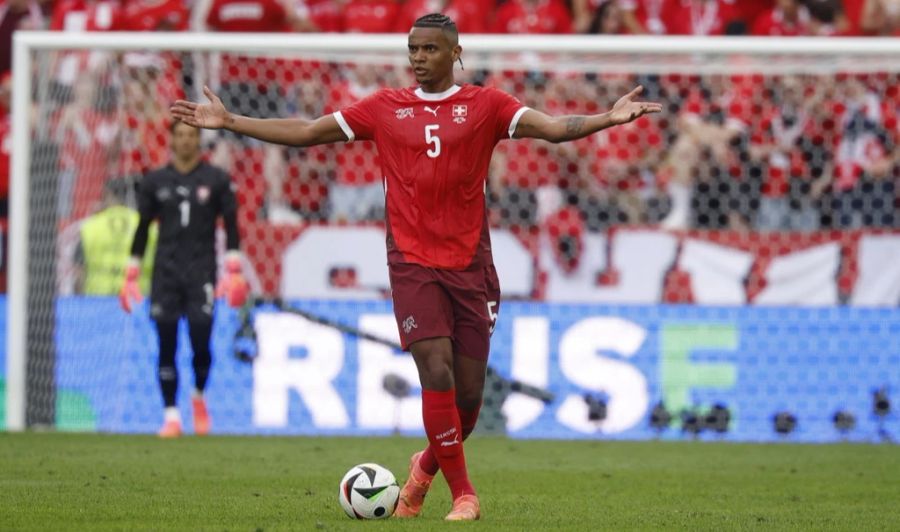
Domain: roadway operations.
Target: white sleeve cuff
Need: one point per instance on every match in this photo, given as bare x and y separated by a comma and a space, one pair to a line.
515, 120
345, 127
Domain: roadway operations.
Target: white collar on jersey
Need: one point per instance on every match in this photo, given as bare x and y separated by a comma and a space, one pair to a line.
436, 96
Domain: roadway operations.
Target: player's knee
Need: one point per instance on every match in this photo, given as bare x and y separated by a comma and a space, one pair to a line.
435, 364
436, 374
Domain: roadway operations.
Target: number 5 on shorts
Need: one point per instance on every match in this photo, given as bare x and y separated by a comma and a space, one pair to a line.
492, 314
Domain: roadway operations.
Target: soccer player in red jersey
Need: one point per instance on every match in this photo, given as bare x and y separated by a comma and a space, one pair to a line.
435, 142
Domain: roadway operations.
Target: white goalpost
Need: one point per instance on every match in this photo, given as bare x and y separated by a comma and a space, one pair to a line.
49, 169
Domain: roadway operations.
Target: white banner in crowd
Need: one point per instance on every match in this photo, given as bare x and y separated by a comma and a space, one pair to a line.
627, 266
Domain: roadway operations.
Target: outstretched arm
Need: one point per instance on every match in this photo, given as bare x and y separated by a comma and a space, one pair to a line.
537, 125
288, 131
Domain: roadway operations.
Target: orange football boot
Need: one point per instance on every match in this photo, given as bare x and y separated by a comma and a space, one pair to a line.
201, 416
413, 493
465, 508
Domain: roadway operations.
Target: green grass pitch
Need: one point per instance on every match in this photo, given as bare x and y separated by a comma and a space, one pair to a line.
107, 482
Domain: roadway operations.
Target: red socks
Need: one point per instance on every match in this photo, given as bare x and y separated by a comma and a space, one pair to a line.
445, 436
467, 419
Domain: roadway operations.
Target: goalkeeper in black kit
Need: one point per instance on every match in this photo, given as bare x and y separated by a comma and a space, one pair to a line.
187, 197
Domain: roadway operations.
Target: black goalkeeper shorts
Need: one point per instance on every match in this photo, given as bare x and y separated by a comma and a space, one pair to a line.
172, 298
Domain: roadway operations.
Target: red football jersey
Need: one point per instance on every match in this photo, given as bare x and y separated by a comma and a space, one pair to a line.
435, 150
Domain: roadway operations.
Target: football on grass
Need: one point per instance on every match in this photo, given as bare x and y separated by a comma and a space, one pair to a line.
369, 491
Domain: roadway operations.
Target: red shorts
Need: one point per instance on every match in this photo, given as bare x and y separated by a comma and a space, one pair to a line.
459, 304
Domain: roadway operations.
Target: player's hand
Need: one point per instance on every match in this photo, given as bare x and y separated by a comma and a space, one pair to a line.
233, 287
626, 109
130, 294
212, 115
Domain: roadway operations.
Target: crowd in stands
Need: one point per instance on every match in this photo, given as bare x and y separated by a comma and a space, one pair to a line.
798, 152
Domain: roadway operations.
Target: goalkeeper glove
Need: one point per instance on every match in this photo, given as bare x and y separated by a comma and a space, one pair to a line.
233, 287
131, 293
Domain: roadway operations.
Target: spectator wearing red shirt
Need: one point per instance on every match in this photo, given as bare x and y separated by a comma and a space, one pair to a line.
370, 16
691, 17
323, 15
86, 15
697, 17
706, 124
155, 15
789, 18
470, 15
862, 153
788, 194
90, 139
78, 16
532, 16
247, 16
748, 11
643, 16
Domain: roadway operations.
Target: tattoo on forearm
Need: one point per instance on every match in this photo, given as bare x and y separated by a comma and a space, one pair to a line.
574, 124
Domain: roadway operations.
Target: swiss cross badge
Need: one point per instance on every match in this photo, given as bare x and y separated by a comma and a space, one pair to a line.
459, 113
203, 194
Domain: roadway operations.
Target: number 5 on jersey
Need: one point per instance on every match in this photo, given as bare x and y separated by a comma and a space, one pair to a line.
432, 139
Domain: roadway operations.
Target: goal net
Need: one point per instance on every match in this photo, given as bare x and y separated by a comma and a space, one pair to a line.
768, 181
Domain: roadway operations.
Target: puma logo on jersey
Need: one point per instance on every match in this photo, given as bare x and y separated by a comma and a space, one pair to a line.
432, 111
409, 324
449, 443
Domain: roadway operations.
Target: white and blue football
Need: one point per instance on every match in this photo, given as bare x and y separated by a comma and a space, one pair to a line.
369, 491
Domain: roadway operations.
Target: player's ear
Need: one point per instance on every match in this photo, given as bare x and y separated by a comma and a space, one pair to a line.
457, 53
